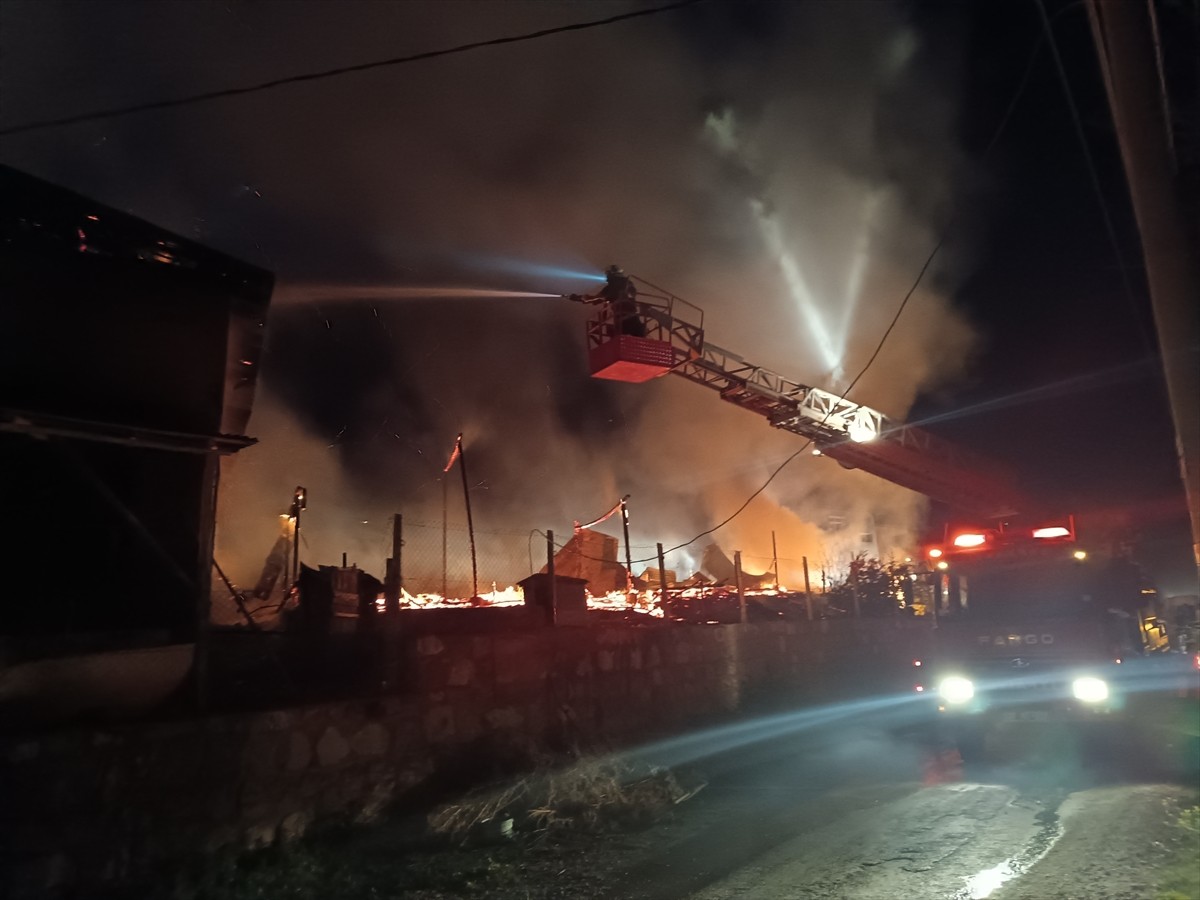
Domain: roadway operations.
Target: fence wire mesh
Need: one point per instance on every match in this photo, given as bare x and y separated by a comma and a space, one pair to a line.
700, 578
437, 559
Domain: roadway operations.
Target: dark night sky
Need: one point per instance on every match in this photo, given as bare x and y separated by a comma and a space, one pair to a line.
1062, 334
579, 150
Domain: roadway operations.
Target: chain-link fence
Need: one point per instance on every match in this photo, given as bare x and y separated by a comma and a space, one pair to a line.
437, 558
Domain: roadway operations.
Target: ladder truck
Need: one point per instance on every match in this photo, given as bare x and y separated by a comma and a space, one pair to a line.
1029, 628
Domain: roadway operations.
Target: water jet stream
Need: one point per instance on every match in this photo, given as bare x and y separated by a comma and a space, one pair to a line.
325, 293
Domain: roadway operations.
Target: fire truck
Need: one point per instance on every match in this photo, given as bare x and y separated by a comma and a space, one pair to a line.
1034, 629
1029, 625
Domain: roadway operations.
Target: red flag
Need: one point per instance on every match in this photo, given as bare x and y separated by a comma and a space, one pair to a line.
608, 515
455, 455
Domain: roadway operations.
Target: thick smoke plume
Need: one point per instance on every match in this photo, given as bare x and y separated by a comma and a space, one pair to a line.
727, 152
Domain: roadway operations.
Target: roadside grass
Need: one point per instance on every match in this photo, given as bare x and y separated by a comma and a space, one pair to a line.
595, 794
529, 838
322, 869
1181, 876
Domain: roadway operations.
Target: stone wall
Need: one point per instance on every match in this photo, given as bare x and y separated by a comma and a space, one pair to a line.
96, 806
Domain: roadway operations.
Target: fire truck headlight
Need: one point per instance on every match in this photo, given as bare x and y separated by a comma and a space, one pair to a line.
1089, 690
955, 689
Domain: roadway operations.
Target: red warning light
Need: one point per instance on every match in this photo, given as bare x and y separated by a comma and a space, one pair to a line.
970, 539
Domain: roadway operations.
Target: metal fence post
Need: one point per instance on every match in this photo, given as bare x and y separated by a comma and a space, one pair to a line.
775, 558
737, 573
807, 590
204, 563
550, 573
662, 579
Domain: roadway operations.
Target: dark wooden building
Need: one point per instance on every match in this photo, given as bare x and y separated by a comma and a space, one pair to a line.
128, 360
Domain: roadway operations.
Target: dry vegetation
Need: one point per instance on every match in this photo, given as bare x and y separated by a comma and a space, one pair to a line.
590, 795
527, 838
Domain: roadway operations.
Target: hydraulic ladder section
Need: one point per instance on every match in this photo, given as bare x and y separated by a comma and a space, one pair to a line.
856, 436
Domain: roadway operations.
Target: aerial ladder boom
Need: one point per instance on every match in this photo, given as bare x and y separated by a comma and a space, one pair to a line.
637, 336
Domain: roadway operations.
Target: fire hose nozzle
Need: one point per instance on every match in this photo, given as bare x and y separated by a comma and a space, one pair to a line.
577, 298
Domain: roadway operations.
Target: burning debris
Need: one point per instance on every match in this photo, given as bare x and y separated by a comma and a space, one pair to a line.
587, 575
592, 556
721, 568
587, 564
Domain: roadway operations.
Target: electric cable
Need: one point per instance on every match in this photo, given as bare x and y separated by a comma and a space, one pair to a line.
117, 111
1018, 92
945, 233
1094, 176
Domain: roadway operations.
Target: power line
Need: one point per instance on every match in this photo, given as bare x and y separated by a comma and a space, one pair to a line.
741, 508
117, 111
1000, 128
944, 234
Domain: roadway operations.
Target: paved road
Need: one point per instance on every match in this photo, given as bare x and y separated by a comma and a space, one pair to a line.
813, 805
850, 813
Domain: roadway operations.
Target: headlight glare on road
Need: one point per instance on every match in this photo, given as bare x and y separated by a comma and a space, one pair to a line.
956, 689
1089, 690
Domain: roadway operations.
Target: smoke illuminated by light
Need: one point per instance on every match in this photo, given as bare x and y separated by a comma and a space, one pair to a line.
789, 234
858, 268
721, 130
813, 320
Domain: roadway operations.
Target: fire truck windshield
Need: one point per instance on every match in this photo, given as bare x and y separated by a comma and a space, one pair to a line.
1060, 593
1026, 588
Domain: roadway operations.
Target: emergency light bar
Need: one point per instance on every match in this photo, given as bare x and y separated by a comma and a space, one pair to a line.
1064, 530
971, 540
966, 541
1053, 531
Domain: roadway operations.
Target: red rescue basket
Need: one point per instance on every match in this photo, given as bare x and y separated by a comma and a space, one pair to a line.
646, 343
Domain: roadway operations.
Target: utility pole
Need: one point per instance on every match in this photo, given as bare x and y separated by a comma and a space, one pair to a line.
807, 589
775, 558
299, 504
662, 578
460, 455
462, 467
391, 595
1126, 45
393, 584
628, 553
444, 512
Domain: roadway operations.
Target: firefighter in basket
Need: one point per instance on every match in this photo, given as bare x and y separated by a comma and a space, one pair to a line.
621, 296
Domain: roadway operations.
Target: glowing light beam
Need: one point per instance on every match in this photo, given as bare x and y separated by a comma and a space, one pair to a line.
815, 322
859, 263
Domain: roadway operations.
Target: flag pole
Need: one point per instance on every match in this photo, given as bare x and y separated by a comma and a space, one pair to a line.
461, 456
